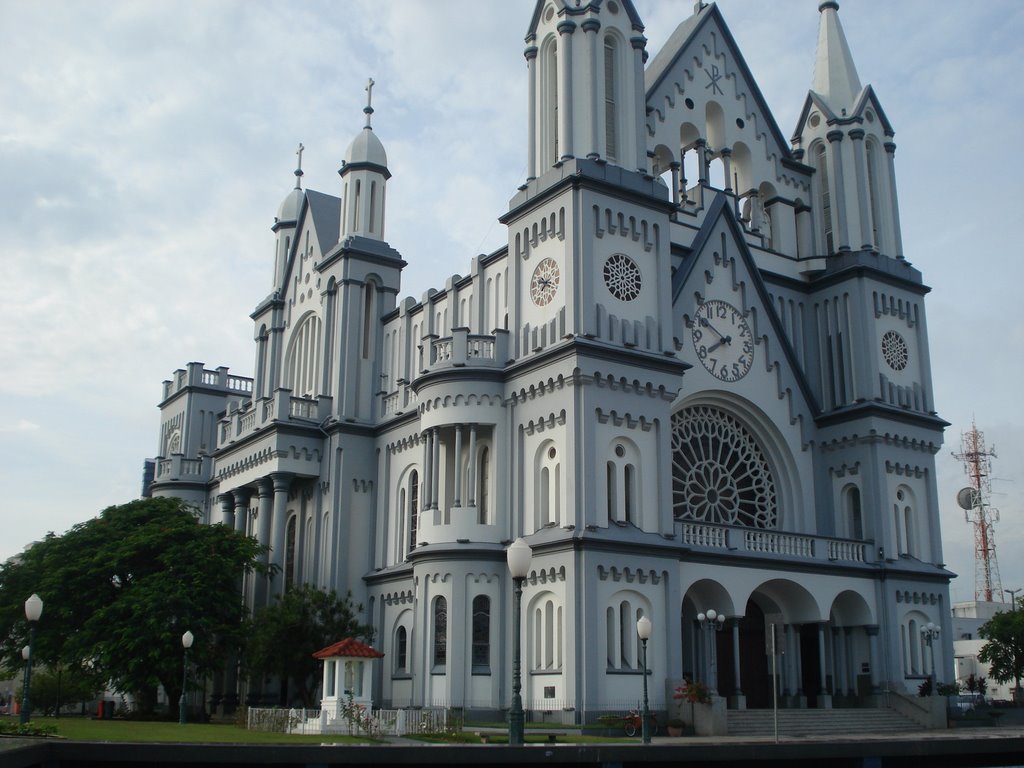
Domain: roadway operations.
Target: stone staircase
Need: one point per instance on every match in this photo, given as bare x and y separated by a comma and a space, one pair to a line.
818, 722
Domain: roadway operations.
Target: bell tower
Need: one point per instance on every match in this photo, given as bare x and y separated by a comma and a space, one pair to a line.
586, 69
845, 136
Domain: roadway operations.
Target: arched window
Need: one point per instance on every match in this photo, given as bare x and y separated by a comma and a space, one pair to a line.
414, 507
824, 198
440, 633
550, 85
481, 658
623, 484
547, 634
302, 363
402, 650
355, 208
627, 633
854, 517
369, 317
549, 486
610, 96
373, 204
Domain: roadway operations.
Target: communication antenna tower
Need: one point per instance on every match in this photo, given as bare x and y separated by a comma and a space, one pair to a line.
974, 500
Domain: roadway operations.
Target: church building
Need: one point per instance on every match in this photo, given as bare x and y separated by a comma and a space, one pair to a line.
695, 381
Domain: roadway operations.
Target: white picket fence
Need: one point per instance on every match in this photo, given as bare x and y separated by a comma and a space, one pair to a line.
382, 722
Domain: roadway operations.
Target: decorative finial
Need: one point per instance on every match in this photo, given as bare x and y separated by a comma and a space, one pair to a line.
368, 109
298, 170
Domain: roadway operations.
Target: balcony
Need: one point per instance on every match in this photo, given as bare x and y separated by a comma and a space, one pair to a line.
793, 546
179, 469
465, 350
194, 374
254, 416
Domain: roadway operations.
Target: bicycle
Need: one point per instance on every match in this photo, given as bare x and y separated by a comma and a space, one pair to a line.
634, 723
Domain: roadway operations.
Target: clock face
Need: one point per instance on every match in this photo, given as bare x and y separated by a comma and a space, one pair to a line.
722, 340
544, 283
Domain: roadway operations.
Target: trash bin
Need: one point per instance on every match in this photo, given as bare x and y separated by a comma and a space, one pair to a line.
108, 710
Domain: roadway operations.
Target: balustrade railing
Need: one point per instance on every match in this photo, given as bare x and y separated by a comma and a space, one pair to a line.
734, 538
465, 349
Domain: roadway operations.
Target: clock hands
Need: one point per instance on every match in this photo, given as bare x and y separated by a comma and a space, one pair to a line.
726, 340
707, 324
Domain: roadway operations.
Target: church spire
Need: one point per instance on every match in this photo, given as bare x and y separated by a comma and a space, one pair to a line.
365, 174
835, 76
298, 168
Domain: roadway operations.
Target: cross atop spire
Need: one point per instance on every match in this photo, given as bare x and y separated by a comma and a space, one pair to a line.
298, 169
368, 109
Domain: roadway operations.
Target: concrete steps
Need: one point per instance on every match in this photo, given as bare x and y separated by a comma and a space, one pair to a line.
813, 722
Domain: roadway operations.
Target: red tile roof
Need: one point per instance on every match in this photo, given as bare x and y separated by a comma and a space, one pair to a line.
349, 647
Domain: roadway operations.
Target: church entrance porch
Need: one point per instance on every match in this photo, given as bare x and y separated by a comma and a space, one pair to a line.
818, 663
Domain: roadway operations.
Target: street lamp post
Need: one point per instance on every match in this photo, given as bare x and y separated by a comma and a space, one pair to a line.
186, 643
519, 555
33, 610
1013, 597
643, 630
930, 633
712, 621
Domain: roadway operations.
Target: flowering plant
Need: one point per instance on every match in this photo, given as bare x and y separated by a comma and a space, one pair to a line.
694, 692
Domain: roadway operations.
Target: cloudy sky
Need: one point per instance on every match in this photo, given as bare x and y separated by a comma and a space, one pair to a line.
145, 147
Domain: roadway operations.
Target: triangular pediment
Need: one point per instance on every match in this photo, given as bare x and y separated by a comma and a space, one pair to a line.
866, 98
701, 62
721, 305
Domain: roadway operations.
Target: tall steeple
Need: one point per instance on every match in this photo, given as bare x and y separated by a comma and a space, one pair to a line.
285, 222
835, 76
365, 174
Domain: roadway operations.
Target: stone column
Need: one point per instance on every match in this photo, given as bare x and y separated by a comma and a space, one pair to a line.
863, 200
835, 138
851, 671
824, 699
590, 28
436, 472
872, 630
531, 116
701, 146
264, 517
227, 514
726, 154
675, 192
471, 480
282, 482
565, 123
457, 469
637, 107
739, 701
894, 206
426, 490
241, 516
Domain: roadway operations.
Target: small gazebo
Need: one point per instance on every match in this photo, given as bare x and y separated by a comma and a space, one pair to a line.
348, 671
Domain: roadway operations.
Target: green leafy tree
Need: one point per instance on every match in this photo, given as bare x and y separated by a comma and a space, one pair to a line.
1004, 651
119, 590
287, 633
60, 686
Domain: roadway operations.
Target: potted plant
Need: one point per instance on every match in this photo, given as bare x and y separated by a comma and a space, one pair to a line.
707, 714
675, 727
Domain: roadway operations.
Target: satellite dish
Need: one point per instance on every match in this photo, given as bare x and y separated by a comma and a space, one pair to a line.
968, 498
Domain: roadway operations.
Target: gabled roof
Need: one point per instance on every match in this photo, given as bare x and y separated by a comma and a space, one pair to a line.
350, 648
576, 8
721, 208
679, 41
326, 213
867, 96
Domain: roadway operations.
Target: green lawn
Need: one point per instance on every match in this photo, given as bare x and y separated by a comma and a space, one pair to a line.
86, 729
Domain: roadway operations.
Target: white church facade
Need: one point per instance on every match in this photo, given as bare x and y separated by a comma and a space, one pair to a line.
696, 378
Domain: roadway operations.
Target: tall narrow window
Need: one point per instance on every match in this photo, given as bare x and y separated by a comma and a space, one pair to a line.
402, 650
373, 203
549, 635
355, 207
871, 158
289, 554
824, 198
481, 634
854, 517
611, 636
629, 488
908, 522
369, 316
483, 499
610, 94
626, 632
552, 103
440, 633
414, 507
613, 513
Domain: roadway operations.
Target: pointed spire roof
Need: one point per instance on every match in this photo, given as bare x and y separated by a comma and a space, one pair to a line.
835, 76
289, 209
366, 149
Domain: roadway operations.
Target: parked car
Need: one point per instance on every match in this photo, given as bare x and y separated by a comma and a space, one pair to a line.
967, 702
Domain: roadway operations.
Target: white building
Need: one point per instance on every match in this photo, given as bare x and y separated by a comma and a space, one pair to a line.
696, 378
968, 617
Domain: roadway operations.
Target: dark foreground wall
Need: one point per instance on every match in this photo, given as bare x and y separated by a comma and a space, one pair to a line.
931, 753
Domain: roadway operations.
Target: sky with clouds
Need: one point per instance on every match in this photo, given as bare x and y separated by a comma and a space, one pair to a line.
145, 147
